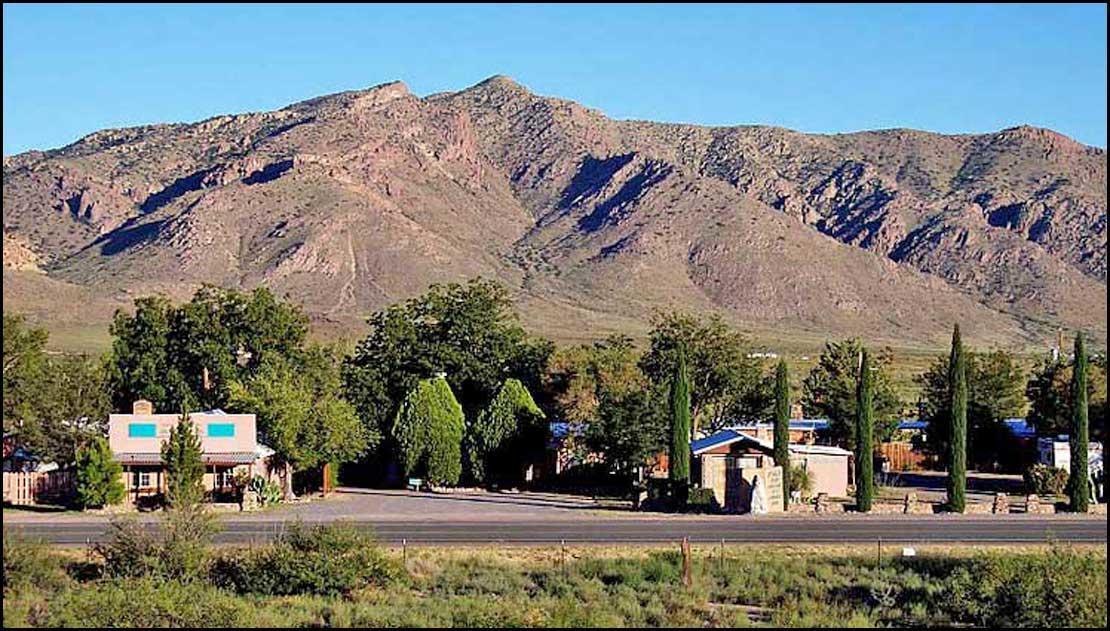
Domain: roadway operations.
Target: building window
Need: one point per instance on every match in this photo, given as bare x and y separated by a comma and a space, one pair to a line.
142, 479
142, 430
224, 477
221, 430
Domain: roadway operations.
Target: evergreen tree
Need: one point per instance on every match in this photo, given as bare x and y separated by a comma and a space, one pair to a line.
865, 422
181, 456
506, 434
429, 429
1078, 490
957, 442
782, 426
679, 456
98, 476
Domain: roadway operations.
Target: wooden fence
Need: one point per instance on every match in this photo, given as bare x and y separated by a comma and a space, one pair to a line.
23, 488
903, 457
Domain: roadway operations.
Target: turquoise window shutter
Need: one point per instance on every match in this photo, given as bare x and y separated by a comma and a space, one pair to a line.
142, 430
221, 430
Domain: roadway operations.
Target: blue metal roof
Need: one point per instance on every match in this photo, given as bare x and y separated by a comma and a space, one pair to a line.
1020, 427
722, 437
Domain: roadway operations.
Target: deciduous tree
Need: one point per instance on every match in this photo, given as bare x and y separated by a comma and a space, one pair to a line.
829, 391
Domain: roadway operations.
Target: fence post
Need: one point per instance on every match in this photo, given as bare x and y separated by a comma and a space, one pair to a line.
687, 579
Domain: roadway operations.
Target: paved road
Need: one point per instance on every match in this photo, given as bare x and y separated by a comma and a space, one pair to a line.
593, 530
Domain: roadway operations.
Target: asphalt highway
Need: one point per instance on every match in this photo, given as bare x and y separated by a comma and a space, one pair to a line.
1016, 529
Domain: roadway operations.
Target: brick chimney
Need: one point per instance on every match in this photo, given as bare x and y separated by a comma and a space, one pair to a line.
143, 407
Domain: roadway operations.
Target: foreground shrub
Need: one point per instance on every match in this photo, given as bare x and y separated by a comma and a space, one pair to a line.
1043, 479
177, 550
321, 560
149, 602
1060, 588
31, 564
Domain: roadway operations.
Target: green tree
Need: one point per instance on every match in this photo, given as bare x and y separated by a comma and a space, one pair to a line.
507, 435
995, 384
98, 476
580, 377
1079, 494
469, 331
865, 426
782, 426
167, 354
957, 438
24, 357
184, 464
429, 428
630, 428
301, 413
829, 391
1051, 400
73, 406
679, 457
726, 384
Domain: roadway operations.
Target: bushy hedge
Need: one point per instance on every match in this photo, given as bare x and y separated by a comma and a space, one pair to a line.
321, 560
1043, 479
702, 501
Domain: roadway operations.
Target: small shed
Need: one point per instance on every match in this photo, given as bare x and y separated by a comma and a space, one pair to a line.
717, 456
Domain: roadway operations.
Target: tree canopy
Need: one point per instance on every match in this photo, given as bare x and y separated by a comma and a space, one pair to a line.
829, 391
57, 403
301, 413
995, 385
726, 384
1051, 401
468, 331
191, 353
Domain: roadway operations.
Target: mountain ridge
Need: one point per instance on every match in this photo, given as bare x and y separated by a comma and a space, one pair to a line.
349, 201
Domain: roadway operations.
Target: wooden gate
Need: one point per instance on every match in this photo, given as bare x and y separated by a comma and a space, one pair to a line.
23, 488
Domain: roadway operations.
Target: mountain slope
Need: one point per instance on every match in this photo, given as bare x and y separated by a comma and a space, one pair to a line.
351, 201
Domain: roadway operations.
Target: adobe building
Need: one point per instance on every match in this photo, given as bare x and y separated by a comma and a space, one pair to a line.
229, 445
730, 460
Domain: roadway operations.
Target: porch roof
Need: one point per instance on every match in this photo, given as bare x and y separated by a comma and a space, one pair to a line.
226, 458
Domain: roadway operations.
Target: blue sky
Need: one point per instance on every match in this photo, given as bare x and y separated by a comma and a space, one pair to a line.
71, 70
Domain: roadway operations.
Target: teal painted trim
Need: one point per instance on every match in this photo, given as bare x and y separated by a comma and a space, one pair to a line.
142, 430
221, 430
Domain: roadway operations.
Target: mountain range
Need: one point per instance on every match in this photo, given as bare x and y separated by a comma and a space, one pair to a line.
348, 202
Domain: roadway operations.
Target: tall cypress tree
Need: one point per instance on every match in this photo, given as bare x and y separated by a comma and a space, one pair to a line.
1078, 492
957, 440
679, 471
865, 423
782, 427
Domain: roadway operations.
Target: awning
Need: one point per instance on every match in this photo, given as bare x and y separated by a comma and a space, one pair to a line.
227, 458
